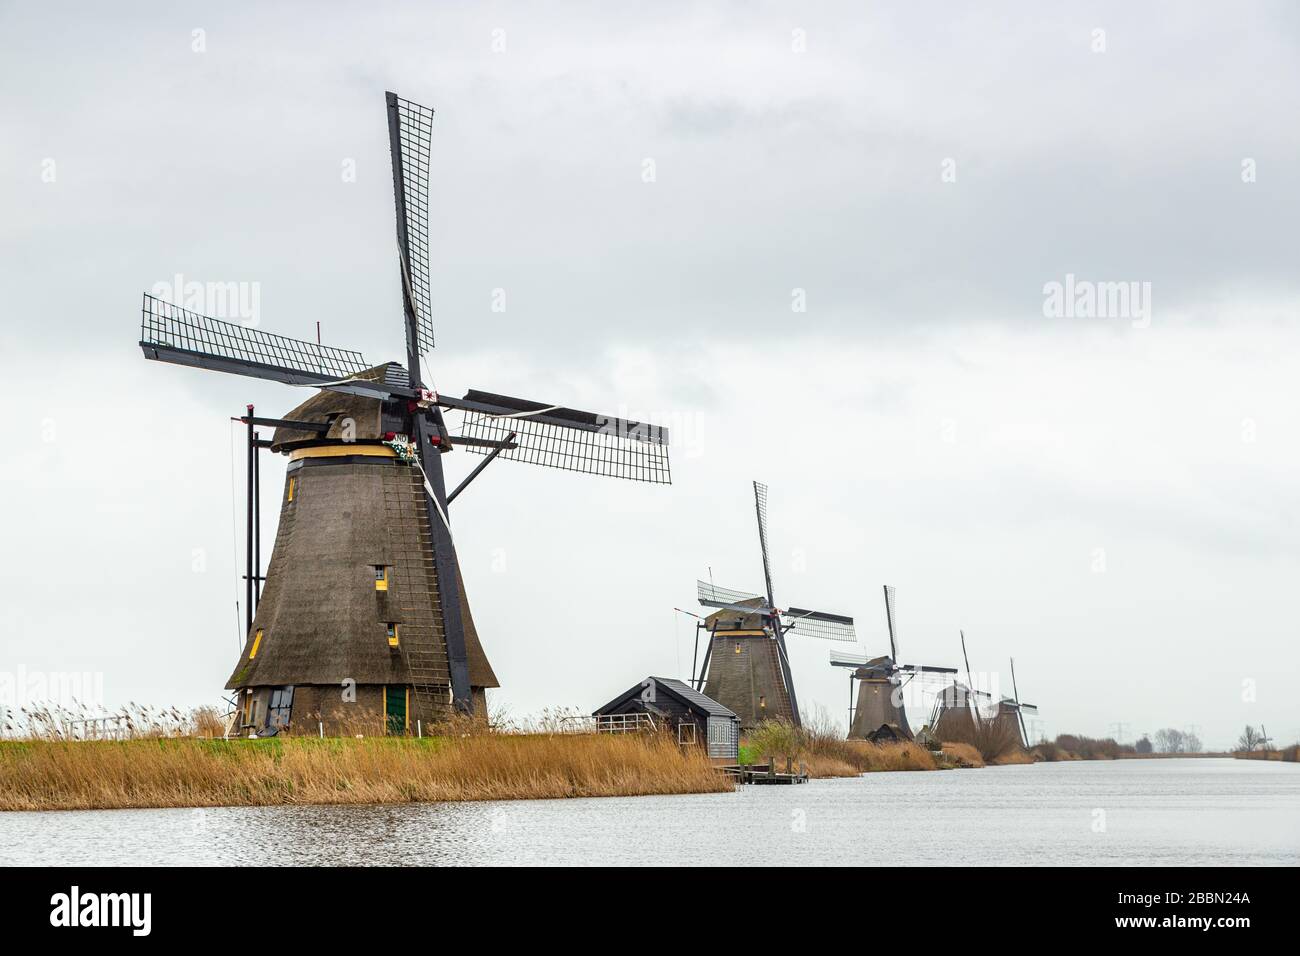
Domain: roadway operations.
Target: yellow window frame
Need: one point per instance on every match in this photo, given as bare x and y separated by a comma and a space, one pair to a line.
257, 642
293, 483
394, 637
381, 584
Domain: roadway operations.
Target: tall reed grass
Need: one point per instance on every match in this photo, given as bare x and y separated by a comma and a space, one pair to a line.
83, 775
819, 746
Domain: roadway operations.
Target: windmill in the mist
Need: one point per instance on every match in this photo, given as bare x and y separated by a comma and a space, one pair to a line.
1011, 710
746, 667
364, 617
959, 711
956, 713
879, 706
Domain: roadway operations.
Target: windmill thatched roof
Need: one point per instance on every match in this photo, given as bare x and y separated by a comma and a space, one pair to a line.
875, 708
337, 408
745, 676
323, 621
728, 620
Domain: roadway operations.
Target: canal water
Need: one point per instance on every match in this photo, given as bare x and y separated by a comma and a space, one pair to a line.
1131, 813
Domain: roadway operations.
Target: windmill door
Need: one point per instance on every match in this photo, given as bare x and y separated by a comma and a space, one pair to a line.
395, 709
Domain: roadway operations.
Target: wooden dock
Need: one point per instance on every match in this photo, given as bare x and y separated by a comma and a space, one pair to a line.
766, 774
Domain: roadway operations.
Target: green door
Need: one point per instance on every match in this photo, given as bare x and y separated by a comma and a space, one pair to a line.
395, 709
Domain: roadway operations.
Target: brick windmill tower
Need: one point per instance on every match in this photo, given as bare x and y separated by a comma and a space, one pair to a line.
364, 623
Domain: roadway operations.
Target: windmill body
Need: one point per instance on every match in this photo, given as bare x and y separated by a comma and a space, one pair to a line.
746, 664
956, 714
878, 708
879, 703
364, 625
745, 672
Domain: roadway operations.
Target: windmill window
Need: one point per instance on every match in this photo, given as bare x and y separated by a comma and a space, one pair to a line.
381, 577
392, 635
281, 707
257, 642
762, 703
293, 484
737, 647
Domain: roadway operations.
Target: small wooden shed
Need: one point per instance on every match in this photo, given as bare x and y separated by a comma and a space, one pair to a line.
674, 705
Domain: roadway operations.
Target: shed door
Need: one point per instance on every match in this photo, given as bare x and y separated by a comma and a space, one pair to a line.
723, 738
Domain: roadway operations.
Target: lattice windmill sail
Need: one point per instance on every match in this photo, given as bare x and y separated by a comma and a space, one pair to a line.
364, 585
877, 711
746, 667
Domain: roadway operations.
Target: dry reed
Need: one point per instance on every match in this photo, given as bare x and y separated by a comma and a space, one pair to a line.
818, 745
962, 755
83, 775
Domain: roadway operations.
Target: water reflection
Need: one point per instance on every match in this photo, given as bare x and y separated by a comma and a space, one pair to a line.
1127, 813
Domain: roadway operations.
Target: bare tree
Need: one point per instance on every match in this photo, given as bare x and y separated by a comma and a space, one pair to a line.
1249, 739
1171, 740
1143, 746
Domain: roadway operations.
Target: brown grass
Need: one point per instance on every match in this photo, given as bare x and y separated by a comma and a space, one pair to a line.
818, 745
962, 755
81, 775
1290, 754
996, 741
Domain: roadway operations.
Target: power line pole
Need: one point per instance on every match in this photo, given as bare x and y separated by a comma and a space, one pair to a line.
1118, 728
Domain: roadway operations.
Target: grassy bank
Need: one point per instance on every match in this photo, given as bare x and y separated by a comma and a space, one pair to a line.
69, 775
818, 746
1289, 754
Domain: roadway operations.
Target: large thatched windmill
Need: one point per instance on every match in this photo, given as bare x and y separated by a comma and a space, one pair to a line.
880, 680
745, 661
364, 619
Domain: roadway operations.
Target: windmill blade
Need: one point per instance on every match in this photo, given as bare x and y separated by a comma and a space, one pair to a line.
1030, 708
970, 683
567, 438
762, 609
711, 594
1020, 708
840, 658
169, 333
760, 506
819, 624
889, 619
410, 136
926, 669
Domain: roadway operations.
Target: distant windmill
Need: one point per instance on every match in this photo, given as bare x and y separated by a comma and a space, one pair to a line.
956, 713
747, 667
1010, 709
364, 592
880, 682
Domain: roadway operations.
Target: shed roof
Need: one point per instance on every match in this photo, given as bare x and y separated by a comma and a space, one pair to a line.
674, 688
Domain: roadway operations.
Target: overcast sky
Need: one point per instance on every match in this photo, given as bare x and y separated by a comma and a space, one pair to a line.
658, 190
